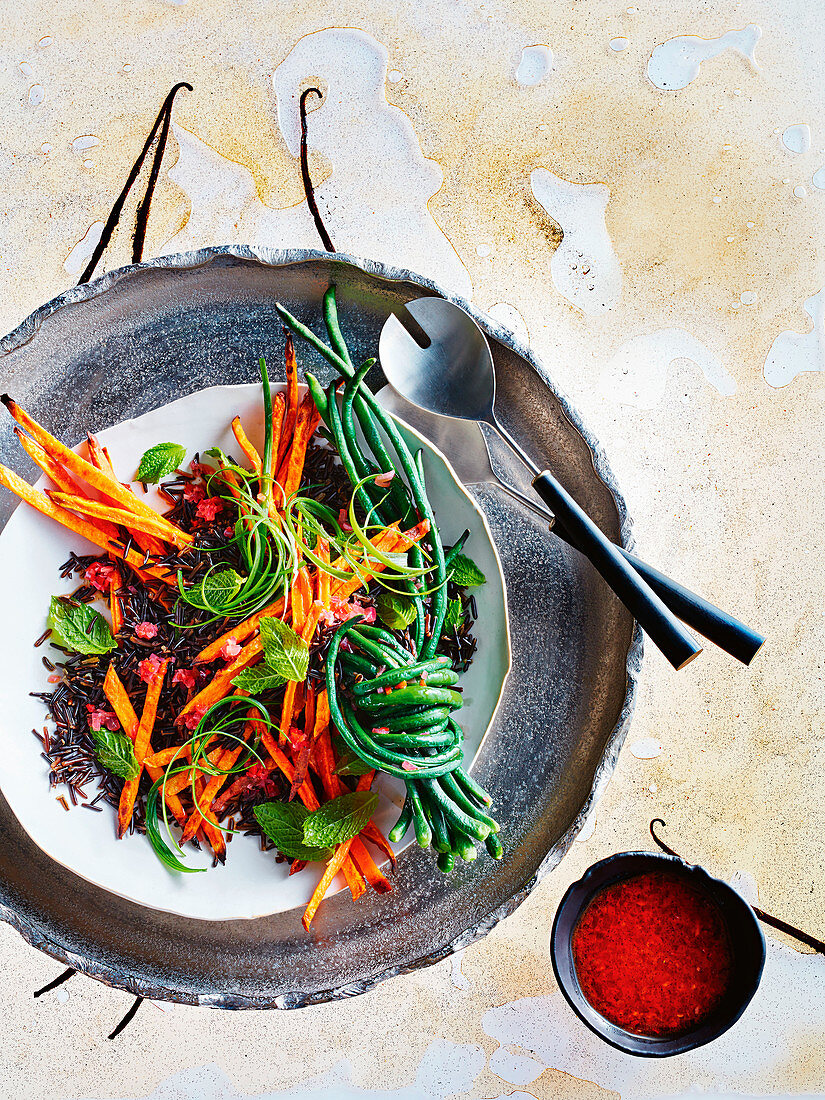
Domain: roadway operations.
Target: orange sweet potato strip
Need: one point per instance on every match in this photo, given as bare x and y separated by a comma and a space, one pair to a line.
81, 468
221, 683
210, 791
121, 704
291, 412
64, 482
321, 714
87, 529
367, 866
99, 456
142, 749
307, 422
240, 632
246, 445
333, 867
114, 602
307, 634
309, 798
278, 413
98, 510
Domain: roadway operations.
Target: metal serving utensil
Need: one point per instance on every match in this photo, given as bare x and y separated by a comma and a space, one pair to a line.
467, 448
435, 355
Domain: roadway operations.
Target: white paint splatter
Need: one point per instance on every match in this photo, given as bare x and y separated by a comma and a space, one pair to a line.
534, 65
797, 138
619, 44
505, 314
794, 353
646, 748
584, 268
26, 68
46, 148
517, 1069
818, 178
637, 372
748, 297
745, 1059
45, 42
799, 191
674, 64
375, 202
85, 141
394, 75
37, 93
82, 251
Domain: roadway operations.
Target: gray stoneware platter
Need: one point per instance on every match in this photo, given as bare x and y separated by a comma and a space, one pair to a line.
143, 336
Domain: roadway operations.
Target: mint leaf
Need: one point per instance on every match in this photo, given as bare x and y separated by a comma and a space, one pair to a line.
466, 573
286, 654
218, 589
396, 612
455, 613
115, 752
283, 823
79, 628
340, 819
160, 461
257, 680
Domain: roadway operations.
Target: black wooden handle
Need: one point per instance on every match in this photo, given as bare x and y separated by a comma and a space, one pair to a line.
725, 631
661, 626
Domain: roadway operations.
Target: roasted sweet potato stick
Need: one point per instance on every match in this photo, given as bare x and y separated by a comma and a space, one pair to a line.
142, 748
240, 632
278, 412
87, 529
333, 867
226, 761
99, 456
220, 685
291, 412
114, 602
307, 634
246, 445
62, 480
110, 487
121, 704
291, 472
366, 865
98, 510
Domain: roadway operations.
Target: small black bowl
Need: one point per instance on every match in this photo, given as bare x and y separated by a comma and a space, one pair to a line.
746, 940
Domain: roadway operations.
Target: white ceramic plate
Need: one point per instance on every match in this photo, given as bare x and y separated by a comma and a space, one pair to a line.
32, 547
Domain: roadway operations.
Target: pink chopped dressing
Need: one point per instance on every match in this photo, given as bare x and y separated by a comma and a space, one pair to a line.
230, 649
209, 508
99, 575
148, 668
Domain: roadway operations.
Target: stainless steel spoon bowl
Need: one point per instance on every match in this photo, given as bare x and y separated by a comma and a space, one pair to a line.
437, 357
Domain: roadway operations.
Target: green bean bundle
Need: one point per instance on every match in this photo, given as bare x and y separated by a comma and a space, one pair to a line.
393, 705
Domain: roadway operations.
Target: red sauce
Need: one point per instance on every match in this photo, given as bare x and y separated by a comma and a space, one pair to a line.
652, 954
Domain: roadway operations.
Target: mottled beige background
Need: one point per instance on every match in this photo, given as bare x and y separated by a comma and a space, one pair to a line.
725, 487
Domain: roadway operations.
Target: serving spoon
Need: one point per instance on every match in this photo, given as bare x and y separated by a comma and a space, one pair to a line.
467, 449
436, 356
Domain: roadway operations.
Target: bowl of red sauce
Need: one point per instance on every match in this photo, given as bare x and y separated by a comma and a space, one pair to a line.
655, 955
